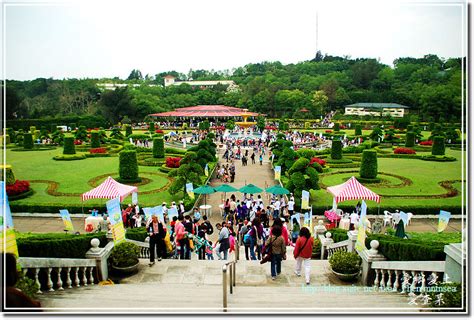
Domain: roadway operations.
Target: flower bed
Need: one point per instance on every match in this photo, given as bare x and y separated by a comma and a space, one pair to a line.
19, 187
159, 131
404, 151
173, 162
77, 142
318, 160
98, 150
426, 143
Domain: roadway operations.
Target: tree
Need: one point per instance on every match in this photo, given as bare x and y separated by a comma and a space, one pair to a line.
230, 124
204, 125
135, 75
117, 104
303, 176
188, 171
376, 134
261, 123
319, 102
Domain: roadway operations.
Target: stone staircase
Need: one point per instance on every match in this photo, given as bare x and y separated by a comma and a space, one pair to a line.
172, 286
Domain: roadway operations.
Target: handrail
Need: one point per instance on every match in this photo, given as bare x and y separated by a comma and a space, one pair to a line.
231, 265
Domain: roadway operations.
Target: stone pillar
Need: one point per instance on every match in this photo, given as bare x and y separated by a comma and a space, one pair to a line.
325, 242
455, 263
101, 256
320, 229
352, 240
369, 256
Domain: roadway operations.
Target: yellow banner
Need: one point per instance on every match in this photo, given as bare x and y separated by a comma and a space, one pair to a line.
10, 244
360, 244
118, 232
191, 194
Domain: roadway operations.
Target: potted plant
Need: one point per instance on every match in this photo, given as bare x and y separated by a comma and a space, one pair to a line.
345, 265
124, 257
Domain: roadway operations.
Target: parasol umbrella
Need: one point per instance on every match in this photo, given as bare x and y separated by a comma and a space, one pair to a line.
225, 188
250, 188
277, 189
204, 190
400, 232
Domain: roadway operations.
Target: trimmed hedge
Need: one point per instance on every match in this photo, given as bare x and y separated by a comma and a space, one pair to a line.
128, 166
358, 130
27, 141
69, 147
137, 234
438, 146
95, 140
71, 121
151, 127
70, 157
175, 151
336, 150
128, 130
438, 158
158, 148
368, 168
337, 127
58, 245
410, 139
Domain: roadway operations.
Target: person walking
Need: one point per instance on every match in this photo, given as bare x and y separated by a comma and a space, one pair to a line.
157, 236
253, 157
223, 239
260, 158
302, 253
277, 247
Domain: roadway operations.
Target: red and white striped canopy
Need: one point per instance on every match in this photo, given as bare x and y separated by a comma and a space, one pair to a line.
109, 189
352, 190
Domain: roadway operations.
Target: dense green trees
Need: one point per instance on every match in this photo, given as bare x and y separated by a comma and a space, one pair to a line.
429, 85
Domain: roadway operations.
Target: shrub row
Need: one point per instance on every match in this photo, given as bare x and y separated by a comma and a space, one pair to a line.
71, 121
58, 245
70, 157
438, 158
137, 234
175, 151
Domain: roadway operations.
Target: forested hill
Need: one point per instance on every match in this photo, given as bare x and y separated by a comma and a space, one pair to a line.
430, 85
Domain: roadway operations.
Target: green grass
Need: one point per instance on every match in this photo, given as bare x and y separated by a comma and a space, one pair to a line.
425, 176
73, 177
442, 237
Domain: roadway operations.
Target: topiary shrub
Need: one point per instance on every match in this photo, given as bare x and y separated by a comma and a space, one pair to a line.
345, 262
6, 140
27, 141
125, 254
337, 126
95, 140
438, 146
358, 130
69, 147
336, 150
158, 148
368, 167
32, 129
9, 175
128, 130
410, 139
151, 127
128, 165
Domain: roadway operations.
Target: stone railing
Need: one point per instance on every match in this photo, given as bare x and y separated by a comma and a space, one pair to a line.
407, 276
339, 246
59, 273
144, 248
327, 243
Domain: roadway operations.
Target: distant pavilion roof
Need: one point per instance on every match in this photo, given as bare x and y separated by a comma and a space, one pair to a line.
205, 111
378, 105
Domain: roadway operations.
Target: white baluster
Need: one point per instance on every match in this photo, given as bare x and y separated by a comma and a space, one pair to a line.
37, 270
406, 280
382, 282
413, 281
396, 285
60, 282
389, 280
68, 278
423, 282
50, 282
77, 282
25, 271
376, 281
84, 278
91, 275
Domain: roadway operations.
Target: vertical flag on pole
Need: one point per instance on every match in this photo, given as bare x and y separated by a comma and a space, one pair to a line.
206, 170
158, 211
148, 213
360, 244
305, 200
115, 216
134, 197
277, 172
172, 212
7, 231
66, 220
444, 217
297, 217
404, 218
189, 190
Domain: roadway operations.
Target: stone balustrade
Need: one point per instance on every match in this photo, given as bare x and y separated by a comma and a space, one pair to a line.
144, 248
339, 246
57, 273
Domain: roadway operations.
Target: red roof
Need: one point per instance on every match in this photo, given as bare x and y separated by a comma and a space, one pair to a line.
205, 111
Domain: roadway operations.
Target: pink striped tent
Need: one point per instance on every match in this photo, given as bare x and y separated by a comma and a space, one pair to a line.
352, 190
109, 189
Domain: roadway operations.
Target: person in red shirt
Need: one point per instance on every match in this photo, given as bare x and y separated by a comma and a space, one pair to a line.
302, 253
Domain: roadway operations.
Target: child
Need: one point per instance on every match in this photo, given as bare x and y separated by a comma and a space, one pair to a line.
209, 249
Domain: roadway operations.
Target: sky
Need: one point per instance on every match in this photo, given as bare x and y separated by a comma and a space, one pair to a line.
94, 39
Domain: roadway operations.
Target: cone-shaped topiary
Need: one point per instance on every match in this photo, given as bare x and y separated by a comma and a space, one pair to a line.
128, 130
69, 147
128, 165
438, 148
28, 141
151, 127
368, 166
95, 141
10, 176
158, 148
410, 139
337, 126
358, 130
336, 150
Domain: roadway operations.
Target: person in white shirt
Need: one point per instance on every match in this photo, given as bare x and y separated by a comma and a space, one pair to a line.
282, 205
291, 206
276, 209
354, 220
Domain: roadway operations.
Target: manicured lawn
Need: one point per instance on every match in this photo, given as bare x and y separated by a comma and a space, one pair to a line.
425, 176
73, 178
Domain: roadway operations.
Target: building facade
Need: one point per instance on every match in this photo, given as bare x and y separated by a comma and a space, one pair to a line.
376, 109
